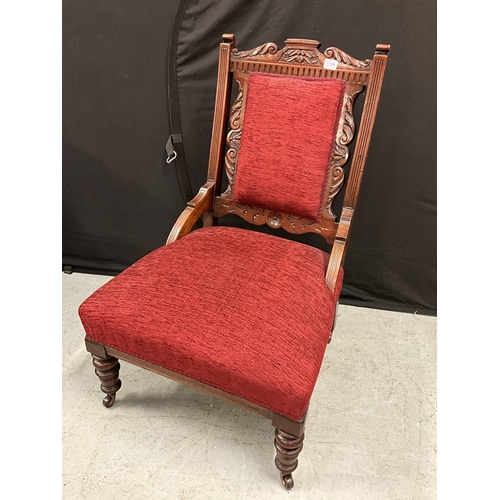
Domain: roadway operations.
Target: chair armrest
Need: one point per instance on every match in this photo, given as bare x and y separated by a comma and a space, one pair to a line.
338, 249
201, 203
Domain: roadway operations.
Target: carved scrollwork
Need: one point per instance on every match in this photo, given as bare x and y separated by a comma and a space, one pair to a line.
234, 137
253, 215
343, 58
341, 151
275, 220
348, 125
299, 56
336, 185
261, 50
300, 225
300, 51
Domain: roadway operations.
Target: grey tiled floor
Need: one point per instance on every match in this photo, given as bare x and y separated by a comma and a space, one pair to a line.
370, 434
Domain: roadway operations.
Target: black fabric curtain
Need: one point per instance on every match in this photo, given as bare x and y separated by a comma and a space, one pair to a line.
120, 198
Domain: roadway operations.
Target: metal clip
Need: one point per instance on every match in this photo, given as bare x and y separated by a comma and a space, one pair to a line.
171, 158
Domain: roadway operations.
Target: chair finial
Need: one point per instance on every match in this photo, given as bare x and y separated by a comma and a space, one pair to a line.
382, 48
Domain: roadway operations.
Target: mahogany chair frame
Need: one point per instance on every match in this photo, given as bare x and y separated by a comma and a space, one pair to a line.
299, 57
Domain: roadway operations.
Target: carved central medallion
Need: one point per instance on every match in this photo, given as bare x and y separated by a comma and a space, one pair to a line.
274, 219
300, 56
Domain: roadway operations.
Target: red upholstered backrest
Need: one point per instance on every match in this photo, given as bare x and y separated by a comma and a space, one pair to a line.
288, 137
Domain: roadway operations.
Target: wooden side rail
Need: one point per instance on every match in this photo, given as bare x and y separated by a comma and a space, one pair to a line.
199, 205
338, 250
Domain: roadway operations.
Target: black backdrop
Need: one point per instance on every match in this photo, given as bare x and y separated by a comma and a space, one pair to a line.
120, 198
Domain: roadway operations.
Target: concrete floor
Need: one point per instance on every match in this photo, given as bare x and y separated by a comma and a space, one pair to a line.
370, 434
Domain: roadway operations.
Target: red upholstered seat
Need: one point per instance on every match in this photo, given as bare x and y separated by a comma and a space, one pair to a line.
242, 311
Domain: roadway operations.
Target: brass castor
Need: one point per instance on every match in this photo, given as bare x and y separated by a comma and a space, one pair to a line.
287, 481
109, 400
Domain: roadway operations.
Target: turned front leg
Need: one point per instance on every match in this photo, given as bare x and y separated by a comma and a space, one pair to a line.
107, 369
288, 446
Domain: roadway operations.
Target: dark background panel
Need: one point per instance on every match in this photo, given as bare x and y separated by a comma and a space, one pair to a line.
391, 259
120, 199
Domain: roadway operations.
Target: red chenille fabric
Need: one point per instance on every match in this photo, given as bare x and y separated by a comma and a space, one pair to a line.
288, 136
246, 312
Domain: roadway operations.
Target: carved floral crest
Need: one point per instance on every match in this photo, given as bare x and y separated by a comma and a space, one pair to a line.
300, 51
300, 56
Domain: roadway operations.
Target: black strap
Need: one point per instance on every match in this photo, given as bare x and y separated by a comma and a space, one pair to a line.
170, 149
176, 153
